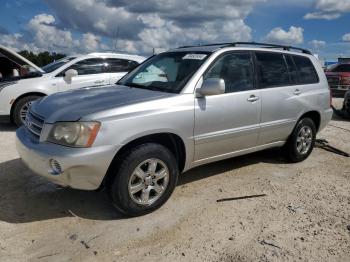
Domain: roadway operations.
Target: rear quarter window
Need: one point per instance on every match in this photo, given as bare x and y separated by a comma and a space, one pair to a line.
307, 73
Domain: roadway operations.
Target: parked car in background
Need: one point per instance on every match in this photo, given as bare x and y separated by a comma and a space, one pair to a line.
178, 110
22, 82
338, 77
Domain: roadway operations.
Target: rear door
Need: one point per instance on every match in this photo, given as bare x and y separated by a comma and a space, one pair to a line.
282, 84
91, 72
228, 122
117, 68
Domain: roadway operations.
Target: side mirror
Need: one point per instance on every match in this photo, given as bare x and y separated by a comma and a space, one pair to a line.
69, 74
211, 87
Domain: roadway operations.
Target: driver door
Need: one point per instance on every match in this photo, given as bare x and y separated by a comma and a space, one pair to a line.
91, 72
228, 122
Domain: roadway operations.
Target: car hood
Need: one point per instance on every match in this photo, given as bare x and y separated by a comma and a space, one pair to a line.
17, 58
73, 105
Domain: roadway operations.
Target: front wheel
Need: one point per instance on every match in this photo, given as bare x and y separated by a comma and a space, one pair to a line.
302, 141
144, 180
21, 108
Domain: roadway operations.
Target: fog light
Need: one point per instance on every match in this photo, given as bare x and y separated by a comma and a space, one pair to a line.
56, 168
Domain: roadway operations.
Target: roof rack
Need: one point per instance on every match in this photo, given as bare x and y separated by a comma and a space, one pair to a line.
266, 45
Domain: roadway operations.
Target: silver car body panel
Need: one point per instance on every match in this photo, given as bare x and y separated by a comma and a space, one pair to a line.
212, 128
83, 168
91, 100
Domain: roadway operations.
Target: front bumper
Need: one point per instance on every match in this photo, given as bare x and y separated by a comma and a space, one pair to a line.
82, 168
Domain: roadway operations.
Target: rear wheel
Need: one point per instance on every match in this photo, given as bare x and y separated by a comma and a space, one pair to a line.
145, 179
21, 108
302, 141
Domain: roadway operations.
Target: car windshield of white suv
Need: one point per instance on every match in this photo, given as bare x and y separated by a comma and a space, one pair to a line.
57, 64
167, 72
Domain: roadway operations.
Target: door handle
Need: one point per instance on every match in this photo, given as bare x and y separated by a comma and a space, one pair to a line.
99, 81
297, 92
253, 98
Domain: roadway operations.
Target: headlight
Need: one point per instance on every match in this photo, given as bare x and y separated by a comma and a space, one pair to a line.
74, 134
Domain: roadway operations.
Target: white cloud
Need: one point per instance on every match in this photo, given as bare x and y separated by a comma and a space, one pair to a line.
90, 42
47, 36
346, 37
44, 35
329, 9
143, 25
317, 44
321, 15
84, 25
293, 36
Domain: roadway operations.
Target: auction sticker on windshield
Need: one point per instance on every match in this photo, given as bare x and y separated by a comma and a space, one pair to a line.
195, 56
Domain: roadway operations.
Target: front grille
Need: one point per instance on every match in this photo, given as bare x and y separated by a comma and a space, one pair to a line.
333, 81
34, 123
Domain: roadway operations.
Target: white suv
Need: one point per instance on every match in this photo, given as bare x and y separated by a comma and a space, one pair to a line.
22, 82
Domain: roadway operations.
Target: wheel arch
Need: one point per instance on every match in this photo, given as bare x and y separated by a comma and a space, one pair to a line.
170, 140
22, 96
315, 116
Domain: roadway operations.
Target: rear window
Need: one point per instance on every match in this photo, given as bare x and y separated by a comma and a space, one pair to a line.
306, 71
272, 70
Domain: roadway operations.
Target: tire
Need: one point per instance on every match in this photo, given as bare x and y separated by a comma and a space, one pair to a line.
21, 104
127, 180
296, 150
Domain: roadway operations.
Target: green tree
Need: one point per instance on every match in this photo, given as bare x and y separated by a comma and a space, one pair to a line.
41, 59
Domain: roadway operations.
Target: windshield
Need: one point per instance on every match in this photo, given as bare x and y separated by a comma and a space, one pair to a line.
56, 64
166, 72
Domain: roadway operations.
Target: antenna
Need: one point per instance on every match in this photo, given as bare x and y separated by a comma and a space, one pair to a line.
116, 36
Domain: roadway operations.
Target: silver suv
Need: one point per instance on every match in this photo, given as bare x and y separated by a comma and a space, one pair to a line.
178, 110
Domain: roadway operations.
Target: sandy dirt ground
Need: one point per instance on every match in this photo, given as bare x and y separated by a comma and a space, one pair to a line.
303, 216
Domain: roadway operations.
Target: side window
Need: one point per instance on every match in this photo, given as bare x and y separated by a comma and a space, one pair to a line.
306, 70
292, 69
272, 70
120, 65
88, 67
236, 69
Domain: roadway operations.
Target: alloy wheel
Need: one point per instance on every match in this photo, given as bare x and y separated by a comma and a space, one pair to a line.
24, 110
148, 181
304, 140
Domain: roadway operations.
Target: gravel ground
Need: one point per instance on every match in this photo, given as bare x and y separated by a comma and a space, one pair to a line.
303, 216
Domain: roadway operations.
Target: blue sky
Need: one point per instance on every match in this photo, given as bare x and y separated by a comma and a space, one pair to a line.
91, 25
264, 17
